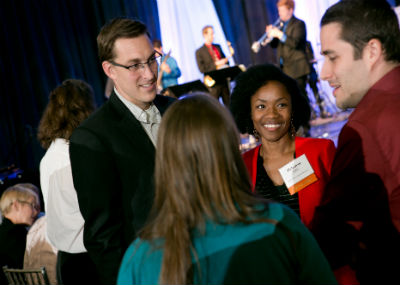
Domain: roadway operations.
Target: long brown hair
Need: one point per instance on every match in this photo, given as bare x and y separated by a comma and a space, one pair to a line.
199, 175
69, 104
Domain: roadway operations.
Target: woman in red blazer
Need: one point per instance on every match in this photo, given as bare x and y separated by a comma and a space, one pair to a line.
269, 104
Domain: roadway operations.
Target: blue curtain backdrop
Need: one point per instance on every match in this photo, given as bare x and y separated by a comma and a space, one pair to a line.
44, 42
243, 23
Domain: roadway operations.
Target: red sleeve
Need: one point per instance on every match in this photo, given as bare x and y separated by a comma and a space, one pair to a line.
250, 160
320, 154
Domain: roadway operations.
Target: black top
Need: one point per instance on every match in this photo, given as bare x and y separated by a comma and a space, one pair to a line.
279, 193
12, 246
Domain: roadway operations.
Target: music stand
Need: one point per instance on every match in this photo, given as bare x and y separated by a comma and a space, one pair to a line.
186, 88
221, 75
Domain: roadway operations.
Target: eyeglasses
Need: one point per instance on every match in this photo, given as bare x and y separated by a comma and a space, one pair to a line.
139, 67
34, 206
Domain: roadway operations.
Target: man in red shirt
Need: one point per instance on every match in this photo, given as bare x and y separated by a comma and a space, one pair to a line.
358, 221
210, 57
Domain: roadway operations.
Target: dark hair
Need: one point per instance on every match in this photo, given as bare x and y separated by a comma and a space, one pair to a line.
157, 43
363, 20
250, 81
117, 28
69, 104
199, 175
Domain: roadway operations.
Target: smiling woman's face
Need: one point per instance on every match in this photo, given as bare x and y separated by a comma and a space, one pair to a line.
271, 109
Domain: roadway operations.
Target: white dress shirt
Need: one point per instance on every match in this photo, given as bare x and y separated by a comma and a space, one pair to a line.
64, 220
150, 119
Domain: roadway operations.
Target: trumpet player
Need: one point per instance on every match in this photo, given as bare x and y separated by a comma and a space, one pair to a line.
289, 38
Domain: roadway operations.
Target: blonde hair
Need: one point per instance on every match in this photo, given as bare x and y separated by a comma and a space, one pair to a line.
20, 192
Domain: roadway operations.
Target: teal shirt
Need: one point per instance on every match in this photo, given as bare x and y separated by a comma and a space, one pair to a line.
255, 253
170, 79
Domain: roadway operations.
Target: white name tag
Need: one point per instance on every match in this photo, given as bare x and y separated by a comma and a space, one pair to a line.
297, 174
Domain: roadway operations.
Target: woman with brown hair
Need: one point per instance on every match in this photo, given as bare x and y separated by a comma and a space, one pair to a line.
205, 226
69, 105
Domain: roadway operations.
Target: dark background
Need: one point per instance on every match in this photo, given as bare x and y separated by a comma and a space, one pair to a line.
44, 42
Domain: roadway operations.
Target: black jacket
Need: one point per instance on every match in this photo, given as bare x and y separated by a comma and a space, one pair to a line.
112, 161
204, 60
293, 50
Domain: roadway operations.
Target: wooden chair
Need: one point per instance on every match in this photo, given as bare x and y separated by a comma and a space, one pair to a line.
26, 276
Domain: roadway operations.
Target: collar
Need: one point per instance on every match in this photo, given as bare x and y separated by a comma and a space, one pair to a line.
152, 114
387, 84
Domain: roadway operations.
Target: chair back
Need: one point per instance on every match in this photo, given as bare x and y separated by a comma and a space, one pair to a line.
36, 276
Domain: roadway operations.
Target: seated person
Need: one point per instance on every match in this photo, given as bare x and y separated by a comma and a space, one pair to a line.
39, 251
19, 208
205, 226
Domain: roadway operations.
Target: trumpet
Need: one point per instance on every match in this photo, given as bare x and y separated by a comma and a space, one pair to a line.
264, 40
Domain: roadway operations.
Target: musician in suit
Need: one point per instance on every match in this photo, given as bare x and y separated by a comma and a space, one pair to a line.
112, 152
290, 41
210, 57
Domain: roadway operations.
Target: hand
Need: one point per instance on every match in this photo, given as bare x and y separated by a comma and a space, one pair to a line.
274, 32
221, 61
165, 67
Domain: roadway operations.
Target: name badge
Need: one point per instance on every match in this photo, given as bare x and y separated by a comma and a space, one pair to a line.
297, 174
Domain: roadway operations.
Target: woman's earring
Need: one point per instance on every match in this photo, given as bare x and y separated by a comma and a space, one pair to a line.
292, 130
256, 134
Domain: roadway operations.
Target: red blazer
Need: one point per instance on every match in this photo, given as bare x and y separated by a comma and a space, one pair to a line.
320, 153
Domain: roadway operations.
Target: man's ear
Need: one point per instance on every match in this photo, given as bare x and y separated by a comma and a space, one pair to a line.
373, 51
108, 69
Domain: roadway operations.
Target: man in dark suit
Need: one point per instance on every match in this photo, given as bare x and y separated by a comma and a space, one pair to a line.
113, 151
210, 57
290, 41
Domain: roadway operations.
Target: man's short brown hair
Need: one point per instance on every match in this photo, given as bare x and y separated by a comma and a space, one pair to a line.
157, 43
115, 29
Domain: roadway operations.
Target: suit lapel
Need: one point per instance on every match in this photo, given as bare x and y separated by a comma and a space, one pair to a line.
290, 25
131, 127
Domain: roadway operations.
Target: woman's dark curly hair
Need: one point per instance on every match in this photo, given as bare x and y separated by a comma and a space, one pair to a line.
69, 105
250, 81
